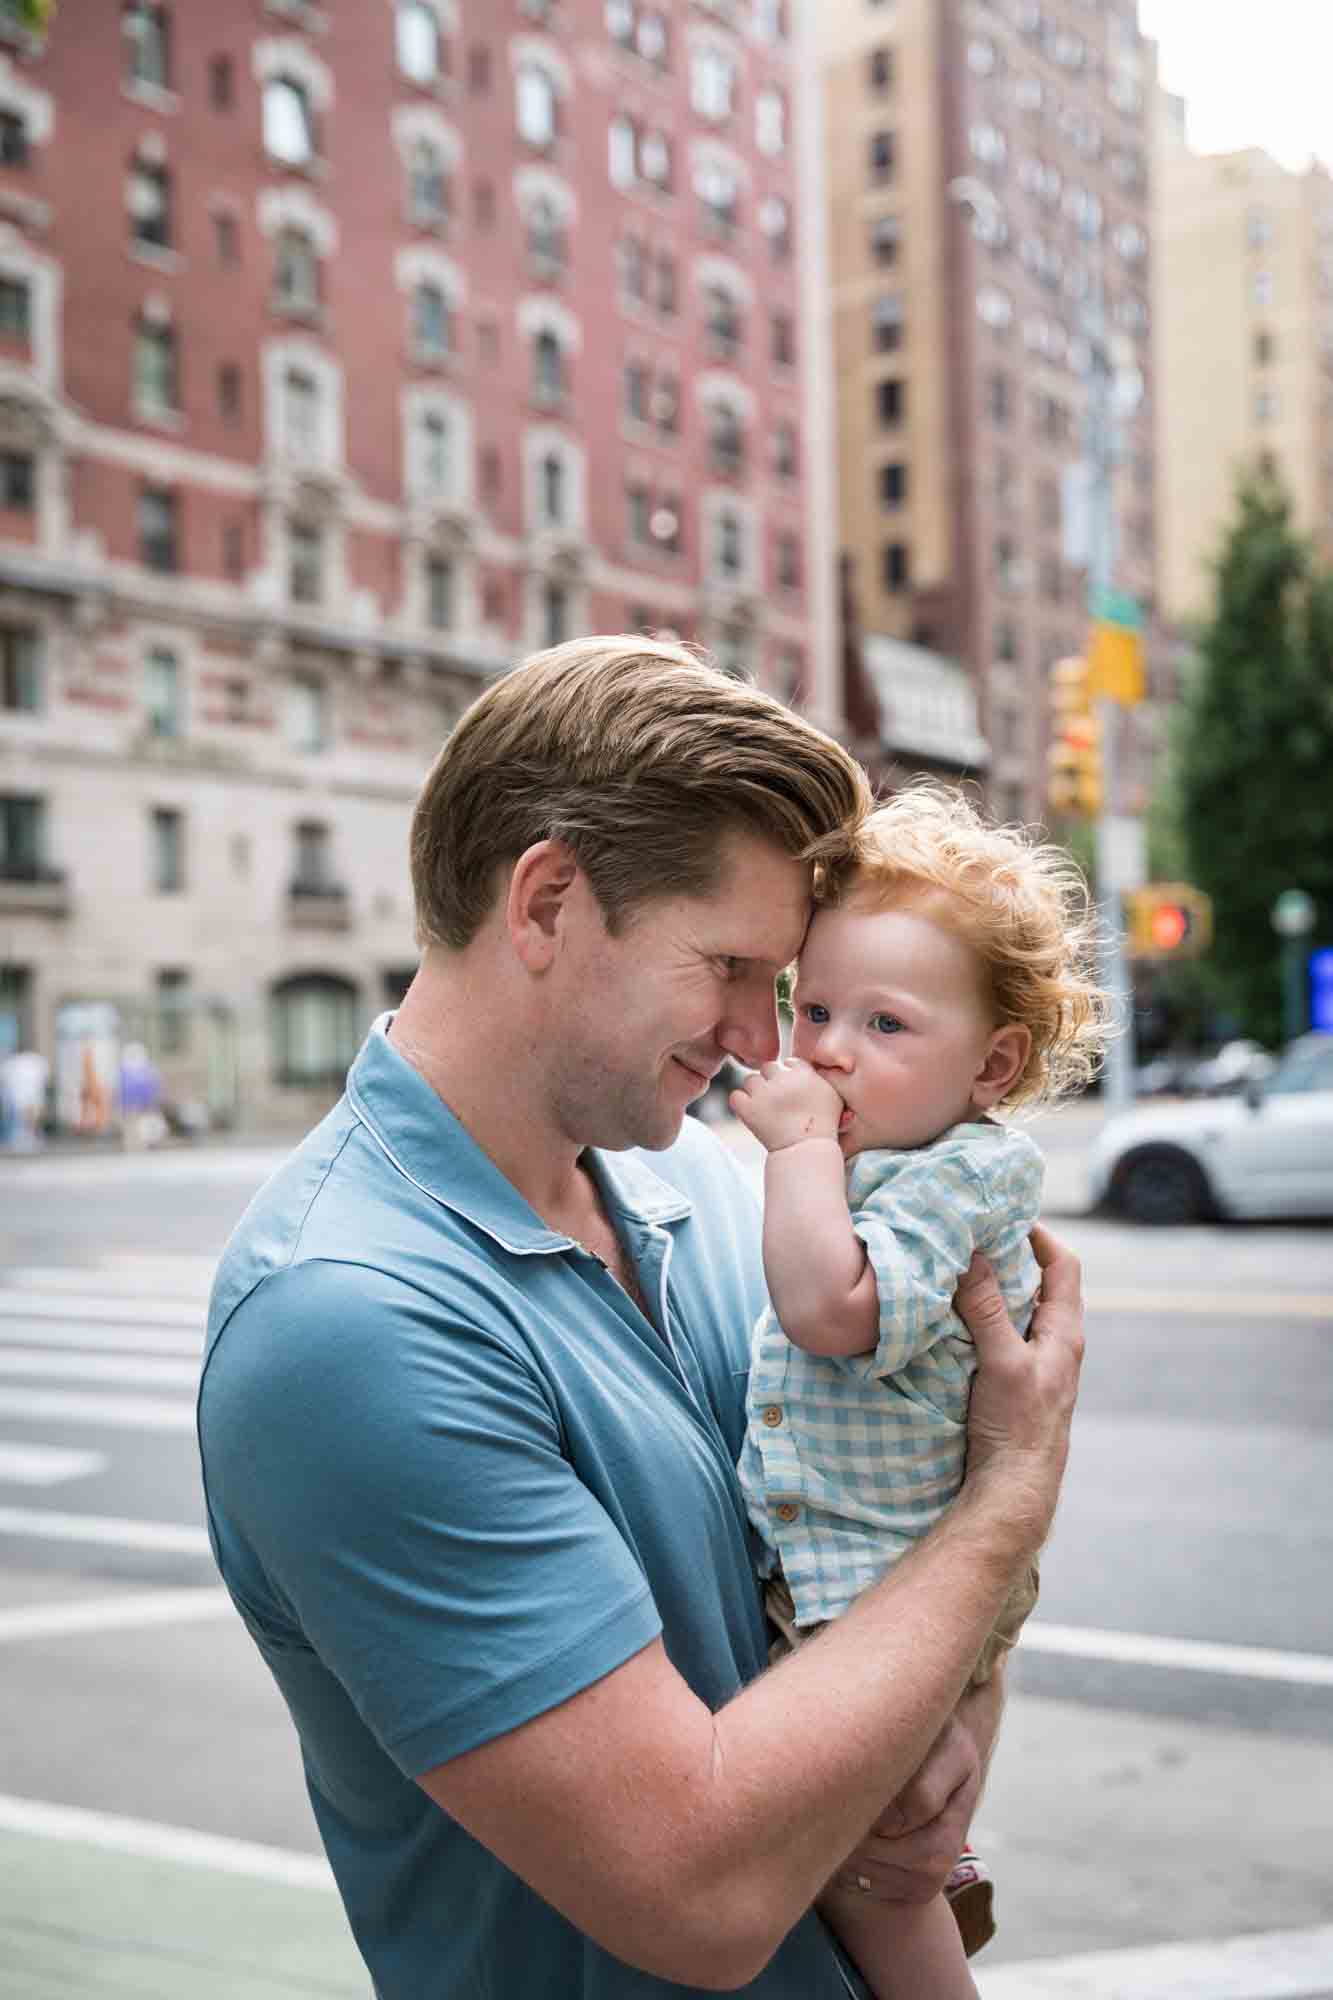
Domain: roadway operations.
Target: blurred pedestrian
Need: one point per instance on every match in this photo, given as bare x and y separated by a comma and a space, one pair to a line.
24, 1077
141, 1119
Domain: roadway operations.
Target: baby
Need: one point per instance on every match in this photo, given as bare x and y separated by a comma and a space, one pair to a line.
951, 978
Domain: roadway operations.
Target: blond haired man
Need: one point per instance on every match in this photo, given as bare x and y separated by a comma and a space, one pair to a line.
475, 1391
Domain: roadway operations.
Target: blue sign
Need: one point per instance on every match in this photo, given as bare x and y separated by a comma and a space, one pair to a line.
1321, 991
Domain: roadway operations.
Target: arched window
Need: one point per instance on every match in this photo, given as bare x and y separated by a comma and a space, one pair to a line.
430, 320
546, 237
296, 273
427, 184
553, 488
548, 367
418, 41
289, 125
147, 45
726, 439
315, 1029
535, 105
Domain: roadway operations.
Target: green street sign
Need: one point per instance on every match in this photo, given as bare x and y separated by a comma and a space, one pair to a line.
1117, 607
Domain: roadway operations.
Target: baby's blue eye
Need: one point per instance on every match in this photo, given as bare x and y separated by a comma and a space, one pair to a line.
886, 1024
815, 1014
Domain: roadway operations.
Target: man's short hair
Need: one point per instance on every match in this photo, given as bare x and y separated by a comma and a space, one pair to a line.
640, 756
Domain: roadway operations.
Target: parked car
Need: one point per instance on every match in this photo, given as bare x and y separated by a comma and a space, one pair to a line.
1265, 1152
1235, 1066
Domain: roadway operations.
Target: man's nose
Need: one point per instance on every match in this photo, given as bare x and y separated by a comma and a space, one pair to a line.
749, 1029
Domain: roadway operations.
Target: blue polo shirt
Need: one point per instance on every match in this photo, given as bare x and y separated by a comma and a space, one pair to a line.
454, 1476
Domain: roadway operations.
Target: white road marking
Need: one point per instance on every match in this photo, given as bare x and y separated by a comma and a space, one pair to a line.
153, 1842
46, 1464
187, 1279
165, 1537
1213, 1305
70, 1406
1272, 1965
123, 1339
123, 1311
1147, 1649
128, 1369
109, 1614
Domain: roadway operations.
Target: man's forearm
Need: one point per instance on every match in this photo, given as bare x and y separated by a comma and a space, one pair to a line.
806, 1757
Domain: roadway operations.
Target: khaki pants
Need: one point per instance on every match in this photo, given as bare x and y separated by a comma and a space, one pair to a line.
1013, 1612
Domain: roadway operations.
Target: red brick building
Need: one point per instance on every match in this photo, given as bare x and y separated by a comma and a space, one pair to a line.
348, 351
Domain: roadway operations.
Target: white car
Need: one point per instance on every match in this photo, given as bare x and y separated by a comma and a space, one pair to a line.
1267, 1153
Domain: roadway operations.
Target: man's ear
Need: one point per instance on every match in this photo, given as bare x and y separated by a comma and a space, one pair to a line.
1006, 1053
539, 886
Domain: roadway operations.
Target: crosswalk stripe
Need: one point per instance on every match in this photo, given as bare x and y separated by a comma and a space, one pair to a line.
61, 1406
123, 1339
166, 1537
185, 1278
128, 1369
126, 1311
131, 1610
154, 1842
46, 1464
1274, 1965
1150, 1649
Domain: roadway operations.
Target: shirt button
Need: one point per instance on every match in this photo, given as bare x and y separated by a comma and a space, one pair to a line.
788, 1511
773, 1415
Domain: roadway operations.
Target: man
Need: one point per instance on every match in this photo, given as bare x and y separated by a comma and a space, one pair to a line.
475, 1391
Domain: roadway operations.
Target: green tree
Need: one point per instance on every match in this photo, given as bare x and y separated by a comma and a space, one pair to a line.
1253, 750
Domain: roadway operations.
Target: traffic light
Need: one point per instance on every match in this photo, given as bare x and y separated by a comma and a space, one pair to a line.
1168, 920
1075, 781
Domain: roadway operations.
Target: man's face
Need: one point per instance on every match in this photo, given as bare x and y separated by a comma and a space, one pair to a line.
639, 1023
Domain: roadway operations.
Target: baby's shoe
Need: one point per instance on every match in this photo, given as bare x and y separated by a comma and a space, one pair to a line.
970, 1894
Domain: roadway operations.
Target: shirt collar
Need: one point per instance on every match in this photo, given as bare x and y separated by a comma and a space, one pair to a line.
424, 1140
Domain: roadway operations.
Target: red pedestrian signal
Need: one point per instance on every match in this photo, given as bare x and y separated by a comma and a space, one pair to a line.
1168, 920
1170, 926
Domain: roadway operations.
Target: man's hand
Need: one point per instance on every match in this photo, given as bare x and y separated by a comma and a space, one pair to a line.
1023, 1393
785, 1102
908, 1855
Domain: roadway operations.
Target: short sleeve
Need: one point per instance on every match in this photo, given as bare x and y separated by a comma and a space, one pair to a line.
386, 1485
919, 1226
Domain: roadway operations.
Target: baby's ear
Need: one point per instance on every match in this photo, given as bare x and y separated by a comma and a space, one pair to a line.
1006, 1057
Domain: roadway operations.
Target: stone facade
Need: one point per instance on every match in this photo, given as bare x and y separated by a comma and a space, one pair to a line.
347, 353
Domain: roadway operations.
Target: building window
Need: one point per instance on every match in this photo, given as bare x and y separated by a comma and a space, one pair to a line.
221, 82
892, 486
300, 415
155, 376
555, 614
315, 1031
436, 453
306, 717
887, 322
15, 309
1006, 640
770, 20
546, 237
13, 140
1265, 406
897, 566
1265, 349
305, 562
157, 529
552, 484
639, 513
719, 196
226, 237
880, 70
890, 403
427, 184
775, 226
722, 319
173, 1011
713, 83
312, 850
1258, 229
439, 593
665, 272
770, 122
164, 694
289, 124
431, 322
636, 391
786, 457
632, 267
150, 205
229, 392
782, 330
548, 368
20, 670
999, 399
296, 271
417, 37
146, 44
726, 440
168, 835
535, 106
729, 544
17, 481
789, 562
22, 837
886, 234
881, 158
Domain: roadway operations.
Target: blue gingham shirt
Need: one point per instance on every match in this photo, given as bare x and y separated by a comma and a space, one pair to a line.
848, 1460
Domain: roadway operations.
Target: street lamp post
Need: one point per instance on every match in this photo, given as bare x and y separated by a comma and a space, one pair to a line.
1292, 917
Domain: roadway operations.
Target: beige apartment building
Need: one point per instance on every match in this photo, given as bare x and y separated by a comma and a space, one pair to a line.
988, 188
1243, 347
